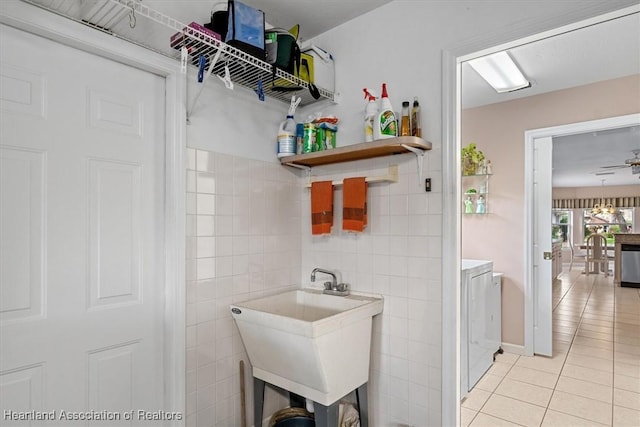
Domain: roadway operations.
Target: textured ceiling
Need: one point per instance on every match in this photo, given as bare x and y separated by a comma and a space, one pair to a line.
588, 158
600, 52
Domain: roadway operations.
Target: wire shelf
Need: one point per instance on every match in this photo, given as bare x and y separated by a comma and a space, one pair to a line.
244, 69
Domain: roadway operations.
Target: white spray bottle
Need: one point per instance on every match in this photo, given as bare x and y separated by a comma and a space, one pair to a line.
385, 125
370, 113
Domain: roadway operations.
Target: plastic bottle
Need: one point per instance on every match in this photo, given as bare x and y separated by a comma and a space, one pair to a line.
416, 129
385, 125
370, 113
287, 141
287, 134
405, 126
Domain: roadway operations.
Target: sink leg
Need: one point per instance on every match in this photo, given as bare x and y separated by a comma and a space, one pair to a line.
363, 405
297, 401
258, 401
326, 416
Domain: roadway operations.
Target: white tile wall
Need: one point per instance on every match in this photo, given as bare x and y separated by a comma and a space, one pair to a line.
249, 234
398, 256
243, 241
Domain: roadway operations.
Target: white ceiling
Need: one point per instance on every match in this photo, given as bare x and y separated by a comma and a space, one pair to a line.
600, 52
314, 16
575, 166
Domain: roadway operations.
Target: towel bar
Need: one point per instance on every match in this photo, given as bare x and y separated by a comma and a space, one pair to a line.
391, 176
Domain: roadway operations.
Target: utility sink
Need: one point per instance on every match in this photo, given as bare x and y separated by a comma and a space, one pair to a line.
309, 343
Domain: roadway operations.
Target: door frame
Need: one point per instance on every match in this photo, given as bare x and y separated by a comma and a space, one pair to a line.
40, 22
452, 60
530, 138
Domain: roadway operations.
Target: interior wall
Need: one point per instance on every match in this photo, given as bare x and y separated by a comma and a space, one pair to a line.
234, 121
243, 242
498, 130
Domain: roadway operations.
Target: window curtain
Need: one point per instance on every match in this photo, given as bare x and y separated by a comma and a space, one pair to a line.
617, 202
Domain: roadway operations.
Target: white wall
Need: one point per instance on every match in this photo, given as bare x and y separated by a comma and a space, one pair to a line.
233, 122
243, 242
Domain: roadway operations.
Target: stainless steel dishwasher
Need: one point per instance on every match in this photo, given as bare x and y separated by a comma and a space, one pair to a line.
630, 265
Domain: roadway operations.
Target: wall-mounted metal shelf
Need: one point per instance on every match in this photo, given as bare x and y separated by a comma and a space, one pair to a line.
152, 29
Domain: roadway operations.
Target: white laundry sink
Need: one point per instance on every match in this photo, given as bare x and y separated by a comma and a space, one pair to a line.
312, 344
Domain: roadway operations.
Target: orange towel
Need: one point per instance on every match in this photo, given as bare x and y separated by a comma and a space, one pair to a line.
321, 207
354, 202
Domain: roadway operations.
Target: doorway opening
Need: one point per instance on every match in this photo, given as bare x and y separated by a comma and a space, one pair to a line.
538, 307
452, 212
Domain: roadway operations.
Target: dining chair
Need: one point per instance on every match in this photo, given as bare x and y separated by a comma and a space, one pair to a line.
575, 255
597, 254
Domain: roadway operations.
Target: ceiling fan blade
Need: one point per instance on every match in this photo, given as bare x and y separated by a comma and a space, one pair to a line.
614, 167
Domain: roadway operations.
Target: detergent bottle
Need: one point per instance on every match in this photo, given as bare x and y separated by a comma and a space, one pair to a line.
385, 125
287, 133
370, 113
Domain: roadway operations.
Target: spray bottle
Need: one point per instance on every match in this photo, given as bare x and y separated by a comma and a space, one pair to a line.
287, 138
385, 125
370, 113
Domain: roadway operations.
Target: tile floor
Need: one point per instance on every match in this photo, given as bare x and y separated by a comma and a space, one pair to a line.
593, 378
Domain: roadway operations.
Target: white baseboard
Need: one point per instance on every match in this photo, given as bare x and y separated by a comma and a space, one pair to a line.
513, 348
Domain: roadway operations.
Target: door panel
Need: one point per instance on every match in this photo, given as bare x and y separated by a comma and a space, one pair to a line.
22, 263
542, 279
81, 220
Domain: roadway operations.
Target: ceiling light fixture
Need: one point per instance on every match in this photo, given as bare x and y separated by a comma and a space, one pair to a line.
500, 72
599, 208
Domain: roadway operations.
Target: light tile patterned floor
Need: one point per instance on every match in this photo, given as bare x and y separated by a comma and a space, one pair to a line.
593, 378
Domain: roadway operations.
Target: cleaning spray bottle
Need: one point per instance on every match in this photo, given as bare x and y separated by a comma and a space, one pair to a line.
385, 125
287, 137
370, 113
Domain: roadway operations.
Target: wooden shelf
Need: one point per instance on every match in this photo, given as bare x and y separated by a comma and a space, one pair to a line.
364, 150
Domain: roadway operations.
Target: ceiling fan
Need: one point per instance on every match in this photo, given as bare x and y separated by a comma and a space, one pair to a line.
634, 163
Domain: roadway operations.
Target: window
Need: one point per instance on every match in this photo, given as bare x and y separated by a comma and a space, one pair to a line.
561, 224
620, 221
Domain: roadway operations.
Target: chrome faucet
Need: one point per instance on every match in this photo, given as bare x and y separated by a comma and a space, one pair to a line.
333, 287
329, 272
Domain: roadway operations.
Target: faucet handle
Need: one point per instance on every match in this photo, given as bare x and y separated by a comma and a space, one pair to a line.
342, 287
328, 285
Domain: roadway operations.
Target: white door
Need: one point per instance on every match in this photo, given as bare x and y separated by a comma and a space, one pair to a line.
81, 220
542, 279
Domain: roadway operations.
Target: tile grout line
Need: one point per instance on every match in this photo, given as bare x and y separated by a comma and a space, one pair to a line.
570, 344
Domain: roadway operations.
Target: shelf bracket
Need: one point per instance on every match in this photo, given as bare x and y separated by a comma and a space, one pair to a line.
419, 159
204, 80
307, 169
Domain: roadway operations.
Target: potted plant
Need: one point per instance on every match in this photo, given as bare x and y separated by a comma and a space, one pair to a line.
471, 158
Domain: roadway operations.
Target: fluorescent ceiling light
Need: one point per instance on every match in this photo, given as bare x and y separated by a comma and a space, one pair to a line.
500, 72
